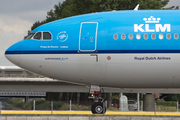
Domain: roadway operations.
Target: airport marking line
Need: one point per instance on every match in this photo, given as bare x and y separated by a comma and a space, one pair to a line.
4, 112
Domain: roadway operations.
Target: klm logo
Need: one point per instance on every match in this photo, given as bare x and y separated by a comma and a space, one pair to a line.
156, 27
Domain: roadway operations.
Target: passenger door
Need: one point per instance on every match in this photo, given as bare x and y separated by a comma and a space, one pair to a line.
88, 36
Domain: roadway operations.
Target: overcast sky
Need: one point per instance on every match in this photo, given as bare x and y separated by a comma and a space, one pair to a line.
17, 17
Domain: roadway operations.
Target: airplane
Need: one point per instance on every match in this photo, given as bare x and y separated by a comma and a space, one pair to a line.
117, 49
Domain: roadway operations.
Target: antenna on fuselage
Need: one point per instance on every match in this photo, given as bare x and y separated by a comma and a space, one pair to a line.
136, 8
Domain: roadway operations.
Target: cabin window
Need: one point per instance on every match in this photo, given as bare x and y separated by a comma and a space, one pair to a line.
153, 36
130, 36
176, 36
38, 36
47, 36
115, 36
145, 36
161, 36
168, 36
123, 36
138, 36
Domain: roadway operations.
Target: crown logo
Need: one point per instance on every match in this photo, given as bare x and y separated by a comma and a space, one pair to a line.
151, 20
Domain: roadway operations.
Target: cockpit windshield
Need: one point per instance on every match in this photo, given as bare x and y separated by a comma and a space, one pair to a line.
42, 35
29, 36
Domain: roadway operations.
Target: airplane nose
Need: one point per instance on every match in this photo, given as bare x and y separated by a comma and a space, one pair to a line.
12, 54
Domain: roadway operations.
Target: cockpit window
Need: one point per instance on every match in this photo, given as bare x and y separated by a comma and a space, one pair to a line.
46, 36
29, 36
38, 36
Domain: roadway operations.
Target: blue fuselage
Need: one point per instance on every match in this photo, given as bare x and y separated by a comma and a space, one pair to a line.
108, 32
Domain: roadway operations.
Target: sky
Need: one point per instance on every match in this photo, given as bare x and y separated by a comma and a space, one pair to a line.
17, 17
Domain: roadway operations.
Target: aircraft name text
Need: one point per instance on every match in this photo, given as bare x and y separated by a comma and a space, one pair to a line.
154, 27
152, 58
158, 28
59, 59
53, 47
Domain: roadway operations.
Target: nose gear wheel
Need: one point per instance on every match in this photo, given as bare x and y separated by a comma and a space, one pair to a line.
97, 108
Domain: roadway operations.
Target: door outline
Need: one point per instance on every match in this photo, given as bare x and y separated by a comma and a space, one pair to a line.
80, 37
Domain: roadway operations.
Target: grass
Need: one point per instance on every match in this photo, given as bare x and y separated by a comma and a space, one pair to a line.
66, 106
166, 103
161, 108
113, 109
14, 104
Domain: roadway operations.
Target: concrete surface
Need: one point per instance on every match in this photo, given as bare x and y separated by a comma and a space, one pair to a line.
85, 118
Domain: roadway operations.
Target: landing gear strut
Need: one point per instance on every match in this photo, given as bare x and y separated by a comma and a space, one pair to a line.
99, 107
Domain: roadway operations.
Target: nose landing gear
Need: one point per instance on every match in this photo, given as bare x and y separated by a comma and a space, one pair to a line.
99, 107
